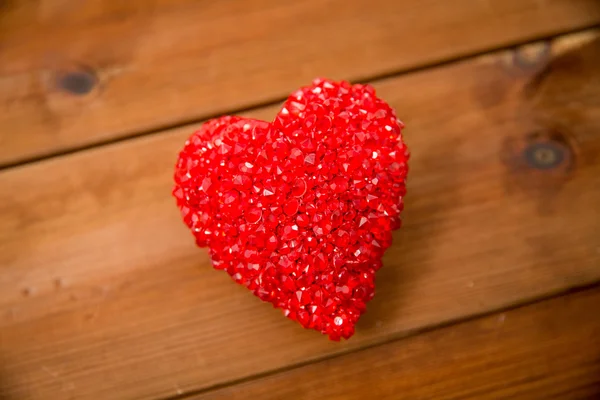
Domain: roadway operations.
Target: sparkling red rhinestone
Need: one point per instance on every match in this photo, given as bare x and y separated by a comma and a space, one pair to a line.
300, 210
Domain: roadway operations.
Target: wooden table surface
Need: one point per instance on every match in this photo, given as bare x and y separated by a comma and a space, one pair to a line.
490, 291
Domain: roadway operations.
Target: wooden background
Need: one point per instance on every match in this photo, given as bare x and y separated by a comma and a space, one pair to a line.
492, 287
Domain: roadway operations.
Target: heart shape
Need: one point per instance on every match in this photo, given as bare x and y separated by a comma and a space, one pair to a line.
300, 210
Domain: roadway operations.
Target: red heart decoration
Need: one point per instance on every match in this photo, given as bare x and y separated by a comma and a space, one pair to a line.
300, 210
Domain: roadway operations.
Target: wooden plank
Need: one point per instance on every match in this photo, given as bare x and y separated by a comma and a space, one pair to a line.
549, 350
104, 295
75, 73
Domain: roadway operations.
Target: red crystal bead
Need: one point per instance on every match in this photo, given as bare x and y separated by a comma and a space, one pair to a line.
253, 215
299, 187
291, 207
272, 242
302, 220
310, 159
301, 210
289, 232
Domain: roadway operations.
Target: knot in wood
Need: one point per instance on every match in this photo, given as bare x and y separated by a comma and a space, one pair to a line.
78, 82
545, 155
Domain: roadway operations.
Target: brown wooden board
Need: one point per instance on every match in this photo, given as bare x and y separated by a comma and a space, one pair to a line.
74, 73
104, 295
549, 350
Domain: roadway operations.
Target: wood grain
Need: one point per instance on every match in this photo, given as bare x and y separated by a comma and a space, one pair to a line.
549, 350
103, 294
76, 73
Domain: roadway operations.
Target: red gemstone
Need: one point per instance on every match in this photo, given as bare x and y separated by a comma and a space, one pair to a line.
289, 232
286, 265
246, 167
302, 297
253, 215
339, 184
338, 261
206, 184
311, 242
231, 197
311, 209
272, 242
310, 159
302, 220
243, 181
288, 283
296, 154
299, 187
291, 207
